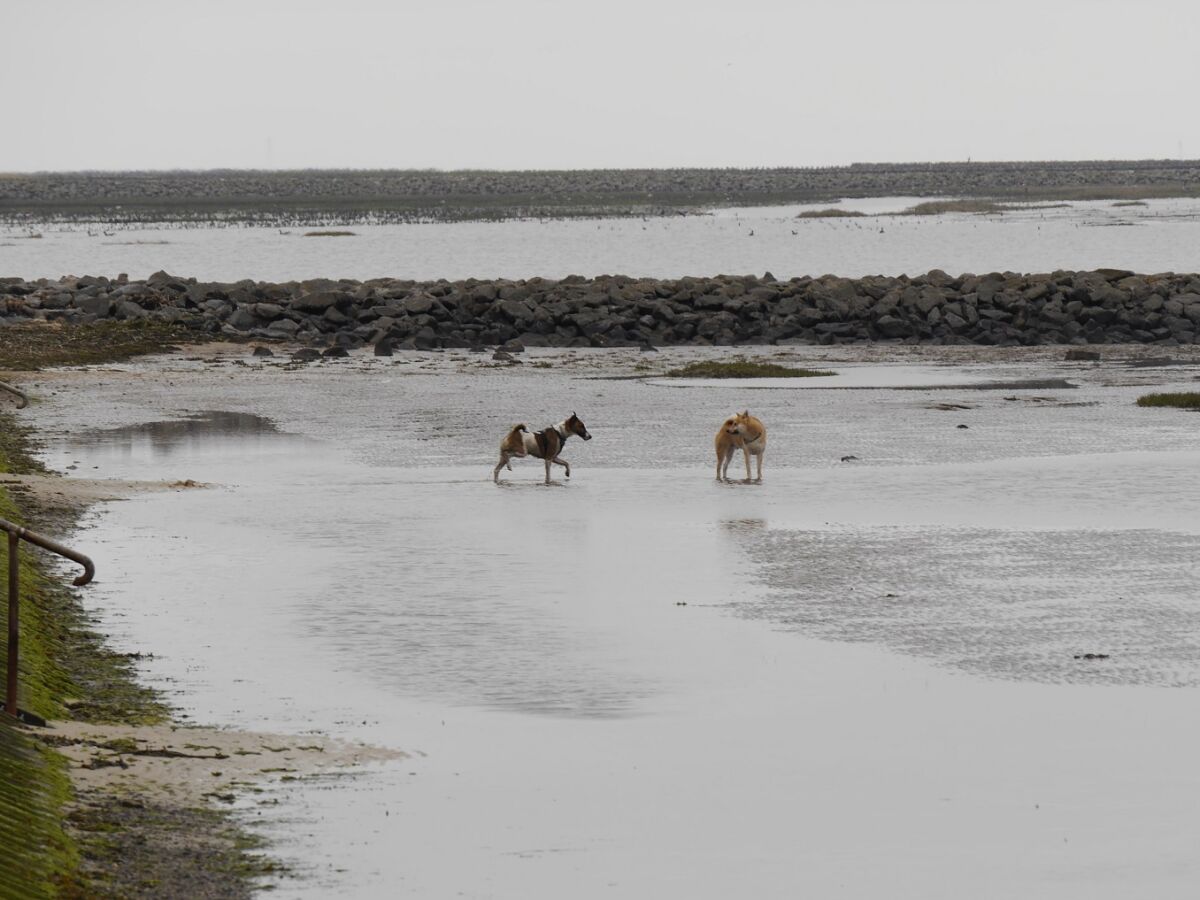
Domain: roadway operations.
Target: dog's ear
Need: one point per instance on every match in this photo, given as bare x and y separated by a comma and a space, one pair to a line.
745, 413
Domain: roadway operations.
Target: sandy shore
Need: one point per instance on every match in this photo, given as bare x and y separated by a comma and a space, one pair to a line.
191, 765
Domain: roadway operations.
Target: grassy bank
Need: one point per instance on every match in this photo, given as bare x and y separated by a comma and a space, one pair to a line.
57, 844
65, 672
40, 859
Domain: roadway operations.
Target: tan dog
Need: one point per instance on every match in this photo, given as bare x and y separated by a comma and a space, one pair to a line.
745, 431
544, 445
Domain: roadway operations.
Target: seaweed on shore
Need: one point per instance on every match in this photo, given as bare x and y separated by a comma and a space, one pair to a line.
1184, 400
742, 369
830, 213
36, 346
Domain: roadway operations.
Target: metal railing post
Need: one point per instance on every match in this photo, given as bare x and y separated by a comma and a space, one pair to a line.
16, 534
22, 400
14, 620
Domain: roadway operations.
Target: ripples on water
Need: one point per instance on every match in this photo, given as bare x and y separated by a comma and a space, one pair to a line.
1021, 605
1160, 236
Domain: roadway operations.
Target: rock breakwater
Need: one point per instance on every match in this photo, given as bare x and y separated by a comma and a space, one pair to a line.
1104, 306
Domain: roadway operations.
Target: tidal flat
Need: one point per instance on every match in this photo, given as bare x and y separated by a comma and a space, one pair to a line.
945, 648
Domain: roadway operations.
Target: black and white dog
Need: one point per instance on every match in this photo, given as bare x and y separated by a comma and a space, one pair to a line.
544, 445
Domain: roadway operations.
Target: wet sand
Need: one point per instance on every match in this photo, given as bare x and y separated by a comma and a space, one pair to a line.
856, 679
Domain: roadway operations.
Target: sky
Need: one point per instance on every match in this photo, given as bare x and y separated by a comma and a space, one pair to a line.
526, 84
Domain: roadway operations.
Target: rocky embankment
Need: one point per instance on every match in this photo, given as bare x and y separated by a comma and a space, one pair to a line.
1097, 307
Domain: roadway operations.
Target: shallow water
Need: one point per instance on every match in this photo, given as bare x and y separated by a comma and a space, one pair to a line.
856, 679
1161, 236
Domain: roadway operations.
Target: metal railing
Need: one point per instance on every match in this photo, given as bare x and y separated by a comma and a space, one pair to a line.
23, 400
16, 534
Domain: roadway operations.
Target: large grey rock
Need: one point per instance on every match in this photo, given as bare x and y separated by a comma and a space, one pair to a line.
320, 301
283, 328
419, 304
127, 309
243, 319
892, 327
100, 307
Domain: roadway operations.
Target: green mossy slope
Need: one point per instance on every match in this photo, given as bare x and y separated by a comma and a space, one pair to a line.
62, 662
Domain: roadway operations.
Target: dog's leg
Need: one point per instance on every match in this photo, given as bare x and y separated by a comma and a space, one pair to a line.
728, 459
760, 460
547, 471
746, 456
500, 465
562, 462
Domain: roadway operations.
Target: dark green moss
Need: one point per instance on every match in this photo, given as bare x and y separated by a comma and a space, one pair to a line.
39, 859
17, 443
1188, 400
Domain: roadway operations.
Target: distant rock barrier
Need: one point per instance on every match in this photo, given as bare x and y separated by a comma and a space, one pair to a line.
1104, 306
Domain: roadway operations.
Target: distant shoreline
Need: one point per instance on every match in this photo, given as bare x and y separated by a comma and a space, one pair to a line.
340, 197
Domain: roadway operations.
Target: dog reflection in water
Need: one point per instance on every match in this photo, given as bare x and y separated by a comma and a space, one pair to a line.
744, 431
544, 445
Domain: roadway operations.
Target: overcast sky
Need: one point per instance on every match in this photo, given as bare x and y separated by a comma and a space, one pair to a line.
124, 84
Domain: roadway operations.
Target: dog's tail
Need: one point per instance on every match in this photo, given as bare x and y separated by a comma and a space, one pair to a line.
512, 441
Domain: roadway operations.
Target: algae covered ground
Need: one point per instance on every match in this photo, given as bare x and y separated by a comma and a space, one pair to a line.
1179, 400
742, 369
36, 346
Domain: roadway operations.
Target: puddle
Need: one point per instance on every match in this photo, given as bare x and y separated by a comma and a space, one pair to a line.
125, 451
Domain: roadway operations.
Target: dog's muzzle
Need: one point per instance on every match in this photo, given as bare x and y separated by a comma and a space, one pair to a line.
586, 436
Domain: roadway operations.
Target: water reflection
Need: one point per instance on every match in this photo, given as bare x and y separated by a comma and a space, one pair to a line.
173, 436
